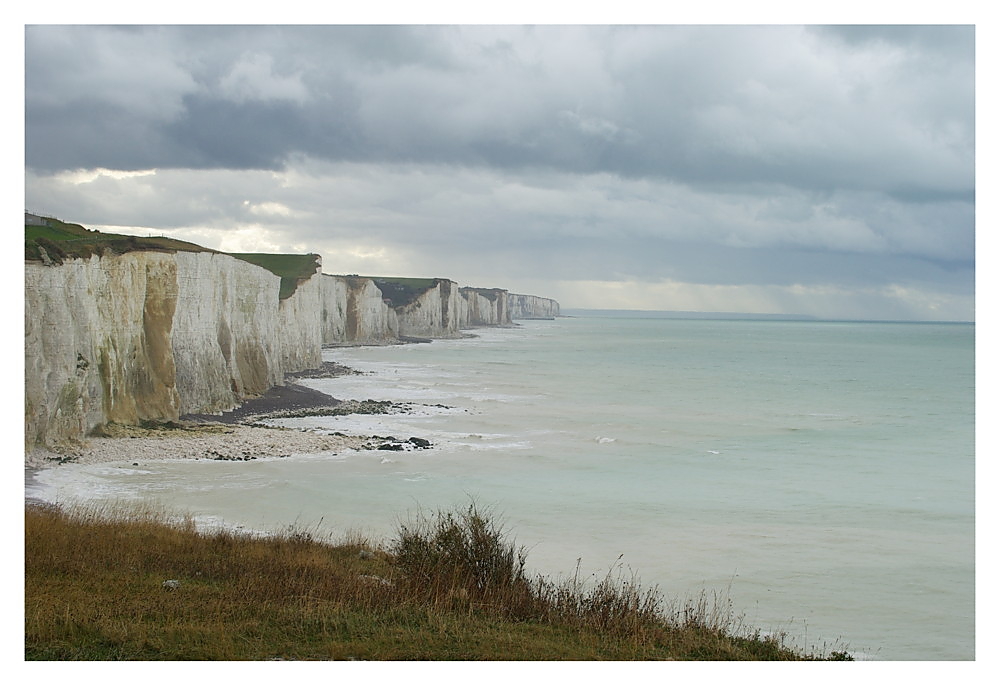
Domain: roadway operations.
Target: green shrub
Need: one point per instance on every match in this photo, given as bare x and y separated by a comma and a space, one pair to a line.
464, 550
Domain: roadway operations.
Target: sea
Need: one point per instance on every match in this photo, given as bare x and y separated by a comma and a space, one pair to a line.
815, 479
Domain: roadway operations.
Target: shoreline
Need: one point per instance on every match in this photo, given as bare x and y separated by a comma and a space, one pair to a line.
233, 435
237, 442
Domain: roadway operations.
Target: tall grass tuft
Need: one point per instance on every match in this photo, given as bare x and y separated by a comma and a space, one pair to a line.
462, 558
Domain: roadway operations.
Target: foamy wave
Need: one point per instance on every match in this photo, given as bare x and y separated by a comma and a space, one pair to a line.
604, 439
516, 445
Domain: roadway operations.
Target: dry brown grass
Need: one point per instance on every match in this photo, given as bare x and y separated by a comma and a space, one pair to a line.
450, 587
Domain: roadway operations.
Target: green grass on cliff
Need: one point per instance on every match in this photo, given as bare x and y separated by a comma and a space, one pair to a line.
450, 587
291, 268
61, 240
401, 290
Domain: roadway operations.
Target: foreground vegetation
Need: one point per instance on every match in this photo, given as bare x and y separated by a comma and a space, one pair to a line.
137, 586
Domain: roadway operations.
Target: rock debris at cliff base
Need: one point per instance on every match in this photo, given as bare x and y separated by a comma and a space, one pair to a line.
328, 370
238, 438
276, 399
233, 442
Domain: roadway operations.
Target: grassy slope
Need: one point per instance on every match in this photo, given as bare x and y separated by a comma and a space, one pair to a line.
93, 591
291, 268
401, 290
62, 240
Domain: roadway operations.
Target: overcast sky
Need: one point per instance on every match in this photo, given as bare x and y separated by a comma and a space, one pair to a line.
780, 169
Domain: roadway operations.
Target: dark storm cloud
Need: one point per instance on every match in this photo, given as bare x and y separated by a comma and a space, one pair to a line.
958, 40
764, 156
702, 104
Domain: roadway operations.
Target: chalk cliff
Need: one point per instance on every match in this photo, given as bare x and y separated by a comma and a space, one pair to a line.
97, 344
435, 313
484, 307
225, 333
355, 313
154, 335
531, 307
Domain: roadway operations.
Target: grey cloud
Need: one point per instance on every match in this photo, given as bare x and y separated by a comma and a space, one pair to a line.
768, 156
221, 133
700, 104
958, 39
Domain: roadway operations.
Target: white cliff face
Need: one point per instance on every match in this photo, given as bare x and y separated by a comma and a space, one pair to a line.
225, 332
300, 325
484, 307
531, 307
435, 314
152, 336
355, 313
97, 343
157, 335
333, 316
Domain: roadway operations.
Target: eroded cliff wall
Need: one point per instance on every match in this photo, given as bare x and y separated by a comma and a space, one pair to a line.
97, 344
484, 307
300, 326
225, 334
155, 335
436, 313
531, 307
355, 313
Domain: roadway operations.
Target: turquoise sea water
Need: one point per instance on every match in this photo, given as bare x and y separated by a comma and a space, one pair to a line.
820, 475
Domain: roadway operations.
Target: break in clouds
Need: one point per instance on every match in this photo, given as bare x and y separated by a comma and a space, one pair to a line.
817, 170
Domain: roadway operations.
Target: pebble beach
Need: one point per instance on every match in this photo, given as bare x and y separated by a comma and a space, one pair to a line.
233, 435
207, 441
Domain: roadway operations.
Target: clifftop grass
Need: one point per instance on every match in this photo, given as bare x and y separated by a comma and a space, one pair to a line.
450, 587
58, 240
401, 291
291, 268
61, 240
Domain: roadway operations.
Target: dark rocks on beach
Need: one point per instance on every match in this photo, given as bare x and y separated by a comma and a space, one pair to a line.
371, 407
245, 456
295, 401
328, 370
396, 444
341, 409
277, 400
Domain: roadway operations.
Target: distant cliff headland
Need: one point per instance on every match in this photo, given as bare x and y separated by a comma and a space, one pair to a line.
129, 329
